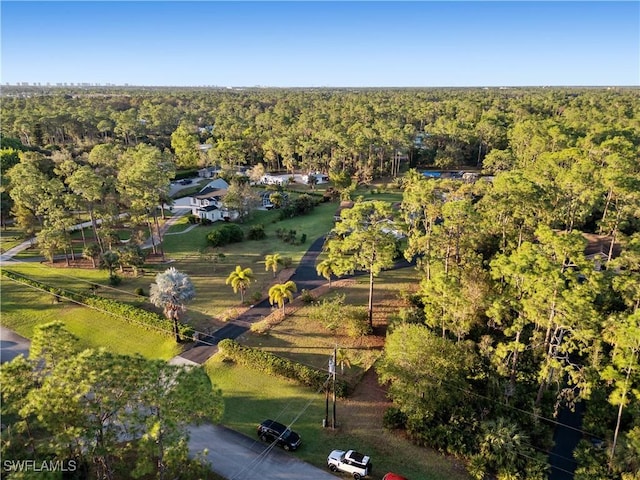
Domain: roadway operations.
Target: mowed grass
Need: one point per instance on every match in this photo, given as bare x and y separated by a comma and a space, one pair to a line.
10, 237
24, 308
251, 397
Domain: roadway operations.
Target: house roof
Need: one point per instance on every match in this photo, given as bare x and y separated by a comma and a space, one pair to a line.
217, 183
209, 192
209, 208
600, 245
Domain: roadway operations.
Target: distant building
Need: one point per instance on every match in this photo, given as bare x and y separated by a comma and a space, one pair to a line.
208, 172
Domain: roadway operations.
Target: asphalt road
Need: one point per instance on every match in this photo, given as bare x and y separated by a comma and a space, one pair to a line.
12, 345
238, 457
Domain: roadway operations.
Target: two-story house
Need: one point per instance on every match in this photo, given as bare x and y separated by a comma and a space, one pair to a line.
208, 202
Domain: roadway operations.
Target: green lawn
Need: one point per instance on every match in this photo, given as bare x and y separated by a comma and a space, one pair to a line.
23, 308
10, 237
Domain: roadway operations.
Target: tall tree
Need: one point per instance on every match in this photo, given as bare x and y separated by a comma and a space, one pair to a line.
622, 332
144, 181
426, 374
364, 240
184, 142
170, 292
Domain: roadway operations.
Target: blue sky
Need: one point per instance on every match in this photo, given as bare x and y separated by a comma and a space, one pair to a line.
314, 44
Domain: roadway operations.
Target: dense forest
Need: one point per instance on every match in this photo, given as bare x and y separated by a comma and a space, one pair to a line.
528, 280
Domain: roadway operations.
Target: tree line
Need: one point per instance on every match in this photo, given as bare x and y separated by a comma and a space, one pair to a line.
511, 314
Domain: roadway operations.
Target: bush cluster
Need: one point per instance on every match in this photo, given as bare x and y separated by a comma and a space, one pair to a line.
256, 232
291, 236
229, 233
300, 206
273, 365
129, 313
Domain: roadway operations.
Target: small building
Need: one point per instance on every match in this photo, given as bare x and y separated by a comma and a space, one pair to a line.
281, 180
265, 198
208, 172
599, 247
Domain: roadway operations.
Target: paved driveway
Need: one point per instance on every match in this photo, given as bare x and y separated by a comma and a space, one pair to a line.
238, 457
12, 345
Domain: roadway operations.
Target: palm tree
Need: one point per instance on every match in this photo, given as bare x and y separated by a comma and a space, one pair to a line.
342, 359
502, 442
240, 279
279, 293
327, 268
170, 292
273, 262
110, 260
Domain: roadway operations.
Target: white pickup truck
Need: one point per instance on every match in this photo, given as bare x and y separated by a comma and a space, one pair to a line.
349, 461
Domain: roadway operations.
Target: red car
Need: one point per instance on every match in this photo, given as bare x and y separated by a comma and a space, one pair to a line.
393, 476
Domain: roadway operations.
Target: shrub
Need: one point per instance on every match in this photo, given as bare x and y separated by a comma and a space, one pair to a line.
357, 322
236, 234
186, 174
306, 297
303, 238
393, 418
273, 365
257, 232
286, 262
139, 291
115, 280
218, 238
192, 219
228, 233
256, 297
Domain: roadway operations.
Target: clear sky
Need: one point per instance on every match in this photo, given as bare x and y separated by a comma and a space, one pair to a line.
313, 44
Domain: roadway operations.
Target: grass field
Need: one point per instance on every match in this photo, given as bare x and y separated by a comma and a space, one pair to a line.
23, 308
302, 339
9, 238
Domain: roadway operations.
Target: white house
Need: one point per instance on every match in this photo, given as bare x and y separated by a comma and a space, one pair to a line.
269, 179
207, 203
320, 178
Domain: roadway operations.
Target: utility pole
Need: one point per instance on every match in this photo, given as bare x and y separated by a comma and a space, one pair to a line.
333, 423
332, 368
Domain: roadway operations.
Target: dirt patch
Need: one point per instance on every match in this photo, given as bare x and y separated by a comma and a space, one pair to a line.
364, 409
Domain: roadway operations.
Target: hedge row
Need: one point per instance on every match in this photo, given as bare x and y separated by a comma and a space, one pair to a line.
273, 365
144, 318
